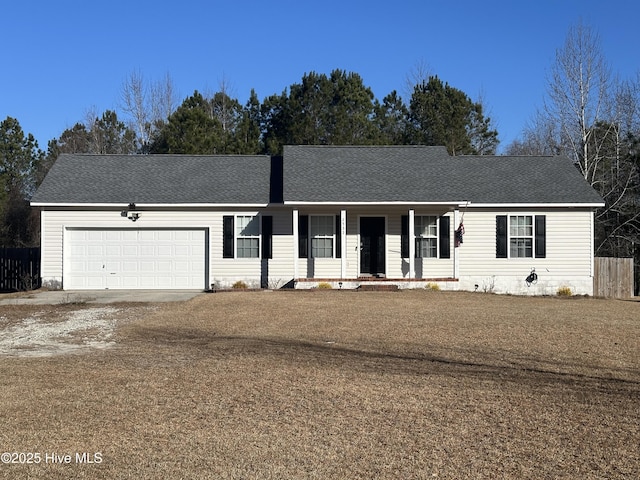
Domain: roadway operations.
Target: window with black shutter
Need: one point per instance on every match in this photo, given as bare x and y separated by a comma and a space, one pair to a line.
432, 235
521, 236
227, 236
303, 236
501, 236
338, 252
267, 236
444, 237
404, 237
541, 236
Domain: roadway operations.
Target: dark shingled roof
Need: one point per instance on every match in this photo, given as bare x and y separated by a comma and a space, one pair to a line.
428, 174
346, 174
157, 179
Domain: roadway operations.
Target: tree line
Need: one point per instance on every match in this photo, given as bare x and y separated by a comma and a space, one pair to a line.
334, 109
588, 114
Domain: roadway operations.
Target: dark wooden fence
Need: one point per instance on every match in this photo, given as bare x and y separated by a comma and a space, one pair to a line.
613, 277
19, 269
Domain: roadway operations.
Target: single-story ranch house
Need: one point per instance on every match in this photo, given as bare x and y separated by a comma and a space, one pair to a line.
346, 215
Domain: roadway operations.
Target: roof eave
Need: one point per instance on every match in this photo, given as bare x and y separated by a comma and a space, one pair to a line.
148, 205
538, 205
403, 202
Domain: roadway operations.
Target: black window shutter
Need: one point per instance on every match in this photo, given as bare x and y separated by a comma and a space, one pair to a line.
267, 236
303, 236
445, 237
404, 237
541, 236
338, 238
501, 236
227, 236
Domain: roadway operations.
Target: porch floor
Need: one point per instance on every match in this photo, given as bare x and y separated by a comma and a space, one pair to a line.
379, 279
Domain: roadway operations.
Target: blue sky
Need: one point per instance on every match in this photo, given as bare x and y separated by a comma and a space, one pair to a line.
62, 59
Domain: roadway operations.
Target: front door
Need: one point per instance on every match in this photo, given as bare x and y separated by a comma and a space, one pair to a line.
372, 247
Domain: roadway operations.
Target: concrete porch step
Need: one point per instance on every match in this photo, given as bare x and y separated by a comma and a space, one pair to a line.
373, 287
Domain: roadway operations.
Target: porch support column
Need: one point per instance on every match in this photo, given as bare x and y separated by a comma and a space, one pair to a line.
412, 244
343, 243
295, 245
456, 257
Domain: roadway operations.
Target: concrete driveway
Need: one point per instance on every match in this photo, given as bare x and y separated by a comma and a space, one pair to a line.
55, 297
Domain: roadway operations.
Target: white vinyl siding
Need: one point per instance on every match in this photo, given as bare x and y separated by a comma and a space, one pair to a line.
568, 258
568, 244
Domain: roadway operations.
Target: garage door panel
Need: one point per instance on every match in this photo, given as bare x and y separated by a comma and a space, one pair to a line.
112, 250
129, 235
91, 235
146, 235
92, 283
92, 250
135, 258
112, 235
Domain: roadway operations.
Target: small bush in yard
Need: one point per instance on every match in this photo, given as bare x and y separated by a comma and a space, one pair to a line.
434, 287
239, 285
325, 286
565, 292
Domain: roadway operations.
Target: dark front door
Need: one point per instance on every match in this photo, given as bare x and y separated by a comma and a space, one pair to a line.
372, 246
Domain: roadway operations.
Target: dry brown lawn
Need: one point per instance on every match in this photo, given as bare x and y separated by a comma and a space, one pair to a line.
336, 385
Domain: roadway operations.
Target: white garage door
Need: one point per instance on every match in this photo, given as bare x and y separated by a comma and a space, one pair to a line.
135, 259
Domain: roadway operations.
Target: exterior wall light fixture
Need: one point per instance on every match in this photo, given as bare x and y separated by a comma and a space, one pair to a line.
130, 214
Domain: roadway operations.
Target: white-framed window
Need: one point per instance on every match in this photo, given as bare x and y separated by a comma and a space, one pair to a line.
322, 233
521, 236
247, 236
426, 231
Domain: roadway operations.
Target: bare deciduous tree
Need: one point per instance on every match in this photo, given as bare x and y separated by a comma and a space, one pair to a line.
147, 105
578, 96
419, 74
595, 120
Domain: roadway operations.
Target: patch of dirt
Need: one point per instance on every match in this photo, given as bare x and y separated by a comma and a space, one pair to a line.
61, 331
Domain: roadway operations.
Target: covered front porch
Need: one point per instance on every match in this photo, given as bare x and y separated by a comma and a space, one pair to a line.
351, 246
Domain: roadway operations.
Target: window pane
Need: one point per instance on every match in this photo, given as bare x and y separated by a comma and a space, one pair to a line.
521, 248
321, 247
427, 247
513, 226
322, 225
247, 226
433, 228
521, 226
528, 226
426, 226
248, 247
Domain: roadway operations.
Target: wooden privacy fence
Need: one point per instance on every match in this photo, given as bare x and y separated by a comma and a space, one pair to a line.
613, 277
19, 269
